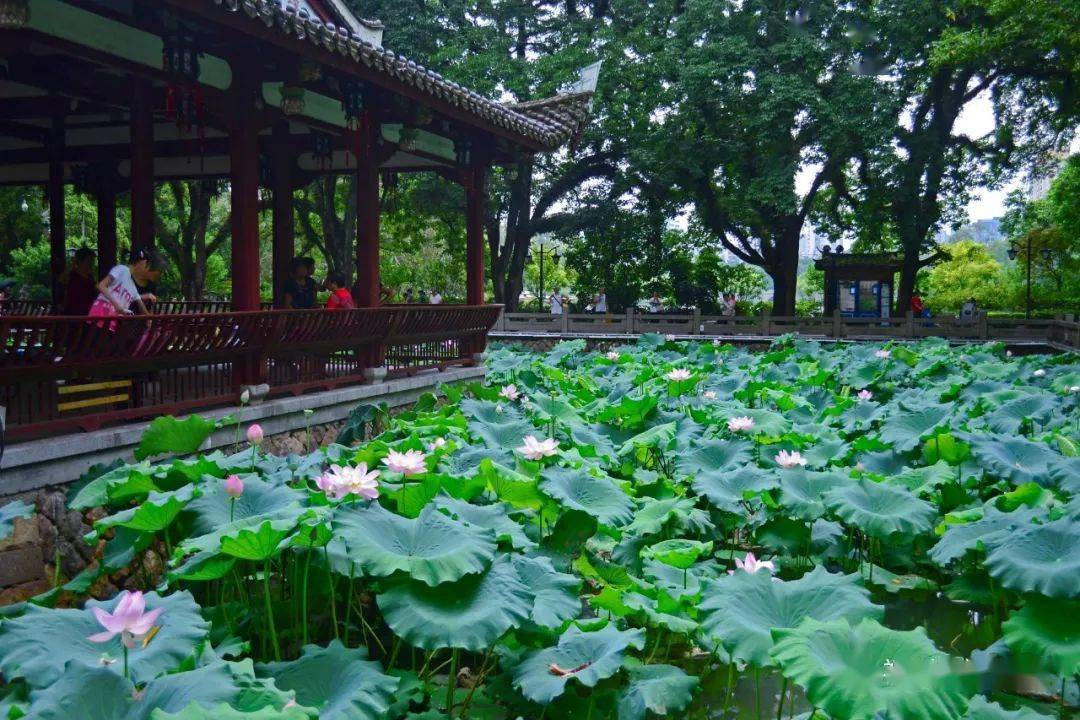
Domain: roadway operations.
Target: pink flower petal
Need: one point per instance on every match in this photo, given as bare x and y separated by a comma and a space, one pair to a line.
109, 622
143, 624
101, 637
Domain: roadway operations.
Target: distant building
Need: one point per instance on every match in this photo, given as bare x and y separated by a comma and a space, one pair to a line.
1043, 173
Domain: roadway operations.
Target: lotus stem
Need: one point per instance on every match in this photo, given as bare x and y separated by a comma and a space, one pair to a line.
125, 660
395, 649
757, 693
780, 706
304, 596
332, 587
348, 602
232, 508
592, 702
451, 683
270, 611
730, 685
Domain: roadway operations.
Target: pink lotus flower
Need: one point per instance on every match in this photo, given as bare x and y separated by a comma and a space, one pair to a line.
234, 486
437, 444
510, 392
883, 354
340, 481
129, 620
787, 459
255, 433
751, 564
709, 394
740, 424
613, 356
410, 462
534, 449
678, 375
865, 395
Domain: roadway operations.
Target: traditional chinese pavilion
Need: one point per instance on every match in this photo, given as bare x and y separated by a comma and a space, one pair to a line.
859, 284
112, 95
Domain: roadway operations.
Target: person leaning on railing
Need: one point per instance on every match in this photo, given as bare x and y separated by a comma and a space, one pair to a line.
119, 290
340, 297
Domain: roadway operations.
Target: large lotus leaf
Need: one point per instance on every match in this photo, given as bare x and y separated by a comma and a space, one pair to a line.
554, 594
801, 490
905, 429
502, 434
1042, 558
257, 543
197, 711
678, 513
599, 497
487, 411
924, 481
862, 671
260, 502
154, 513
587, 657
340, 682
675, 582
549, 407
9, 513
658, 436
714, 455
984, 532
470, 613
727, 490
466, 461
982, 709
662, 689
1046, 629
741, 610
879, 509
84, 692
432, 548
116, 485
1012, 458
166, 434
39, 643
678, 552
490, 517
1014, 415
825, 453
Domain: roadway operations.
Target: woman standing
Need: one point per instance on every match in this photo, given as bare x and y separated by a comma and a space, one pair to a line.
119, 290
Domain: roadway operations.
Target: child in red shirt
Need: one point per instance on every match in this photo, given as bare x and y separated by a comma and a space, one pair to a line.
340, 297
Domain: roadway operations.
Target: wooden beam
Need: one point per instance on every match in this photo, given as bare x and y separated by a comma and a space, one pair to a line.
284, 165
244, 179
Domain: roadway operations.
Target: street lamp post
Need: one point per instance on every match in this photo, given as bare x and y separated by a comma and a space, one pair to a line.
554, 258
1014, 250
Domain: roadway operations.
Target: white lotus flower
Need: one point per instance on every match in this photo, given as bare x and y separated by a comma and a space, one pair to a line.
1008, 353
709, 394
669, 338
1039, 373
741, 423
410, 462
613, 356
716, 342
751, 564
883, 354
865, 395
510, 392
437, 444
339, 481
534, 449
678, 375
787, 459
1075, 389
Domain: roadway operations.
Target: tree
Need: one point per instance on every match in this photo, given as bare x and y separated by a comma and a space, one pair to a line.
966, 270
191, 226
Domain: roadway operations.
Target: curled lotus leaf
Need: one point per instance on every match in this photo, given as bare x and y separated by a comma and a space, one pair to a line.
728, 490
1048, 631
880, 510
661, 689
585, 657
984, 532
599, 497
1041, 559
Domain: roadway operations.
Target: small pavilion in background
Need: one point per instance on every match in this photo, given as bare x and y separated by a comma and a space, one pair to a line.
859, 284
114, 95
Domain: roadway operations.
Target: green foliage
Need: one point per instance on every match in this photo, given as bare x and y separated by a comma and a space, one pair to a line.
970, 272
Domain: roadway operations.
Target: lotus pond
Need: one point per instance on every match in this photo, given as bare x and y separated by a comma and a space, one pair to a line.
664, 529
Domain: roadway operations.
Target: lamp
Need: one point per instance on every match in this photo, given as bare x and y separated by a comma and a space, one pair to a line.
555, 257
1012, 253
292, 99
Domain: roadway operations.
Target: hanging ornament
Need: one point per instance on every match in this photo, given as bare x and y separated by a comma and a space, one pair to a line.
407, 139
352, 103
310, 71
463, 152
184, 105
14, 14
322, 151
292, 99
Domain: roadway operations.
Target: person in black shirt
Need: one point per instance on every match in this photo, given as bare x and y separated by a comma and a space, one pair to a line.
300, 288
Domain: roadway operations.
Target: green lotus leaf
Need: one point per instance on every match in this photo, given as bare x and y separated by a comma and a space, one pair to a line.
924, 481
432, 548
1042, 558
116, 485
555, 594
740, 611
727, 490
1048, 630
203, 566
714, 456
38, 644
9, 513
510, 486
879, 509
549, 407
340, 682
495, 518
154, 513
679, 552
660, 612
861, 671
504, 433
586, 657
982, 709
801, 490
904, 431
676, 513
261, 501
658, 436
599, 497
470, 613
166, 434
981, 533
197, 711
674, 581
257, 543
661, 689
1016, 459
629, 411
1013, 416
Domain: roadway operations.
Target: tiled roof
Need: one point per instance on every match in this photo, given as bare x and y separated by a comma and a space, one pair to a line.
550, 122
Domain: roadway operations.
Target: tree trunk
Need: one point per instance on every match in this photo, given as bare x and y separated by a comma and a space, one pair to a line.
909, 273
785, 269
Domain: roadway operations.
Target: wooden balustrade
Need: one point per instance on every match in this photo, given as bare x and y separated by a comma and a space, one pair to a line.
65, 372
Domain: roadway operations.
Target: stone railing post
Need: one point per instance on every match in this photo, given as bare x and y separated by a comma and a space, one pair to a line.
630, 320
766, 323
565, 320
837, 324
984, 325
909, 324
695, 325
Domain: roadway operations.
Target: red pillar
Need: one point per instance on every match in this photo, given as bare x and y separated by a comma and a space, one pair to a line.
106, 228
475, 191
142, 165
244, 159
55, 193
284, 231
366, 291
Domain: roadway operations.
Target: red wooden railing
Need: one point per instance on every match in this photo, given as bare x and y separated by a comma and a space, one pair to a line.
66, 372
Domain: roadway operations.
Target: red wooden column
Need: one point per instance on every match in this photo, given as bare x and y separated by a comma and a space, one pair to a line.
142, 165
366, 291
284, 230
55, 194
106, 227
244, 179
475, 192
